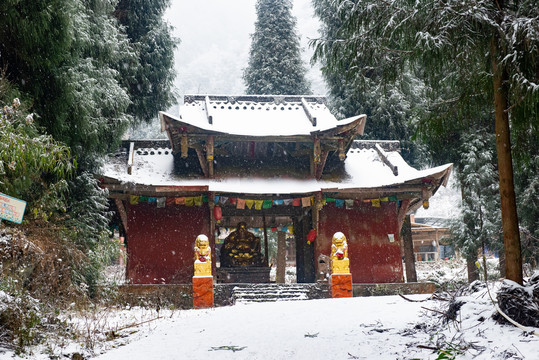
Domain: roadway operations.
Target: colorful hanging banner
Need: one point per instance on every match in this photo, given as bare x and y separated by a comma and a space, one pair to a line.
249, 204
133, 199
349, 203
179, 201
267, 204
278, 202
198, 200
339, 203
375, 202
288, 201
240, 204
189, 201
305, 201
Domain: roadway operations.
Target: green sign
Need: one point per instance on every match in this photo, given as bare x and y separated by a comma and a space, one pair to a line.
11, 209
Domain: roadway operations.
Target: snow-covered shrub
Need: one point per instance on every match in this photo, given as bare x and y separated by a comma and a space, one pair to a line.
520, 303
20, 316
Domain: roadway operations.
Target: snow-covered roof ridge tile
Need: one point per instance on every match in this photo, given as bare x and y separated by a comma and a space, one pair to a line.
258, 115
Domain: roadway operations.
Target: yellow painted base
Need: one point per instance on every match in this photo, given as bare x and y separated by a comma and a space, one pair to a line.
340, 266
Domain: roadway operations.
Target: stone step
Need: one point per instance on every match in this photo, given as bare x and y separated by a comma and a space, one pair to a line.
270, 292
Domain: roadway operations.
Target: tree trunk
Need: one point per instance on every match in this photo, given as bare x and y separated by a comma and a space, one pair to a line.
473, 271
409, 258
511, 236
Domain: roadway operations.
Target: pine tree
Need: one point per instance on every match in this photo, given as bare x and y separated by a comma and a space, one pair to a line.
485, 52
275, 66
389, 107
479, 224
150, 86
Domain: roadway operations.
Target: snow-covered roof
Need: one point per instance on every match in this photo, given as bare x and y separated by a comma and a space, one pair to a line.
259, 115
364, 169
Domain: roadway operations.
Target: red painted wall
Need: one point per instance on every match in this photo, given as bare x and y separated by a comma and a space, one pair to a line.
373, 259
160, 242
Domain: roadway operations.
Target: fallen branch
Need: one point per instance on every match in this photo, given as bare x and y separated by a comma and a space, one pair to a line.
528, 329
412, 300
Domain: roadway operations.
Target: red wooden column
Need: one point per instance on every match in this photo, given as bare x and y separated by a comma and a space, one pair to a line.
203, 279
341, 278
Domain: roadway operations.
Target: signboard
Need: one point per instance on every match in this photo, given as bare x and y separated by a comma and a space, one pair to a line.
11, 209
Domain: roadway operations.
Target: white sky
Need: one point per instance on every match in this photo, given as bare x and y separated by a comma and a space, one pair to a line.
215, 42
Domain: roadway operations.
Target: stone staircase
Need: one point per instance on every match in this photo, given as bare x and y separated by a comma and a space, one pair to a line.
249, 293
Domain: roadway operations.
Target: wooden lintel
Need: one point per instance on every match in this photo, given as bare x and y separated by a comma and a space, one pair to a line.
310, 116
131, 158
383, 155
123, 213
208, 113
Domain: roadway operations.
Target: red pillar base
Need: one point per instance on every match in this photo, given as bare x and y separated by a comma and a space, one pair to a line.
341, 285
202, 292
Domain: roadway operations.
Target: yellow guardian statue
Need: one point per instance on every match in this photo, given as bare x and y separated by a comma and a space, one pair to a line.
340, 264
202, 256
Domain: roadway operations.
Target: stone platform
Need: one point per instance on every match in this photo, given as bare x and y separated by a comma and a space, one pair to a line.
243, 275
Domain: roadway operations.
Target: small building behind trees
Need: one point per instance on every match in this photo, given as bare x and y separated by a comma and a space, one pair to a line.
280, 164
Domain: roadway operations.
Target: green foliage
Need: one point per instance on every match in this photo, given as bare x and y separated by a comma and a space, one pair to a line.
88, 225
33, 167
275, 66
150, 83
391, 108
479, 222
20, 315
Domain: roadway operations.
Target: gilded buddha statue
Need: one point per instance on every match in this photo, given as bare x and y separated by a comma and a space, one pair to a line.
241, 248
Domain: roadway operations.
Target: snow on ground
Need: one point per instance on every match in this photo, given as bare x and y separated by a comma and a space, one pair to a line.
387, 327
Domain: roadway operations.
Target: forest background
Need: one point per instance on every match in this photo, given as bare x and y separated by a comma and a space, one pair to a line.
79, 75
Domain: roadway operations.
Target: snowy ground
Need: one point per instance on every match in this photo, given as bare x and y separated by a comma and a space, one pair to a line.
388, 327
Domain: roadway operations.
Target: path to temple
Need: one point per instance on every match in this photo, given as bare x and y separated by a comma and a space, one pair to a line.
387, 327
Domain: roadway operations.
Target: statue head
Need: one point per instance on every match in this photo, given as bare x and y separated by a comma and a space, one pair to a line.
339, 239
242, 226
202, 241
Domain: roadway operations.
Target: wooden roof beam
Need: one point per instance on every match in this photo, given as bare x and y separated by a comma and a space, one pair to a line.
305, 106
383, 155
208, 114
131, 158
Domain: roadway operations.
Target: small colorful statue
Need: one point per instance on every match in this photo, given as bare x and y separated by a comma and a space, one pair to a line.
340, 264
202, 256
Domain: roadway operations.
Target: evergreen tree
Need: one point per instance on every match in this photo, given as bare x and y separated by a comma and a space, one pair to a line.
275, 66
390, 108
150, 86
479, 224
484, 52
